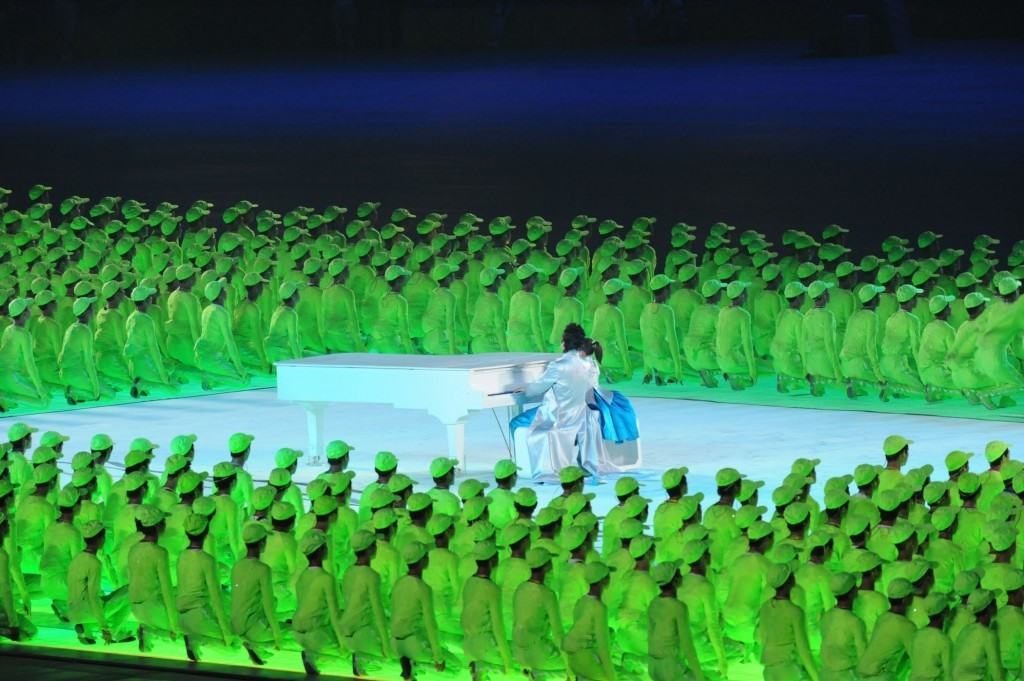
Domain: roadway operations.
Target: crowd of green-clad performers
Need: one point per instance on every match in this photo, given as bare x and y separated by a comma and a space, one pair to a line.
107, 297
886, 574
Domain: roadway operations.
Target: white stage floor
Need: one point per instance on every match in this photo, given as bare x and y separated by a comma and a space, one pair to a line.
759, 441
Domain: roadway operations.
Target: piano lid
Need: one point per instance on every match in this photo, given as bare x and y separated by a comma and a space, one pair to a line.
365, 360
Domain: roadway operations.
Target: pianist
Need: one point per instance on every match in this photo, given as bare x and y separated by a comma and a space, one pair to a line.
566, 428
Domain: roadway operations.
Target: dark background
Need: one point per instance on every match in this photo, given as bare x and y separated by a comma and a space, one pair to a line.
697, 111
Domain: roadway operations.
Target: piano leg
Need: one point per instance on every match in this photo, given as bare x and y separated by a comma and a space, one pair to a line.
457, 442
315, 429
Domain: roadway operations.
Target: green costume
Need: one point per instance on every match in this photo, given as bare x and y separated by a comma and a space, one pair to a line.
109, 342
537, 627
439, 335
249, 329
19, 374
1000, 327
568, 310
202, 612
310, 311
899, 357
661, 351
734, 342
976, 655
859, 357
487, 324
282, 340
253, 610
785, 653
523, 331
414, 631
146, 361
609, 330
787, 344
930, 655
341, 320
77, 362
844, 638
483, 627
699, 343
588, 641
888, 650
318, 623
670, 649
362, 624
88, 606
936, 342
819, 344
217, 355
182, 327
149, 588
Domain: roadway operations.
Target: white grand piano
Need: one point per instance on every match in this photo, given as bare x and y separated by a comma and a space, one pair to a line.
449, 387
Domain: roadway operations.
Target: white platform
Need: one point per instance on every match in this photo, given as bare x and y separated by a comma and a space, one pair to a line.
760, 441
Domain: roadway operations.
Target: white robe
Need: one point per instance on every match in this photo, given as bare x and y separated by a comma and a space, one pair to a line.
566, 431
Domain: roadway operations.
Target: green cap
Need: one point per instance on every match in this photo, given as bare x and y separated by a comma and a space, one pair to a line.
312, 541
189, 481
91, 529
239, 442
895, 444
505, 468
1001, 536
441, 466
254, 533
418, 502
626, 485
285, 457
537, 558
68, 497
673, 477
727, 476
525, 497
859, 561
968, 483
490, 275
980, 600
399, 483
759, 530
149, 516
570, 474
942, 518
938, 303
613, 286
973, 300
995, 449
735, 289
439, 523
514, 533
280, 477
182, 444
900, 588
195, 524
19, 430
385, 462
664, 573
595, 572
794, 289
957, 459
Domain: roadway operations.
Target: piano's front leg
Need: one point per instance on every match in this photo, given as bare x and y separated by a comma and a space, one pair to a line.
457, 442
315, 430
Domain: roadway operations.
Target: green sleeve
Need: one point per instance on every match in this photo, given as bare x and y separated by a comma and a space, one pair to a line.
29, 360
498, 627
377, 608
803, 649
686, 643
217, 600
430, 621
164, 575
672, 336
711, 616
269, 606
604, 645
92, 588
535, 330
993, 658
947, 663
554, 618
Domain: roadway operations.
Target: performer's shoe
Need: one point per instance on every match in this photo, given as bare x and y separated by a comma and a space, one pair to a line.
310, 667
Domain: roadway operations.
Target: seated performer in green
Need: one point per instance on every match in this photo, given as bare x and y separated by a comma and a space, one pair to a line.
610, 331
858, 358
901, 344
282, 341
671, 654
390, 333
936, 341
217, 355
487, 319
19, 376
819, 343
787, 344
699, 345
734, 344
250, 327
523, 331
147, 363
439, 336
662, 357
77, 359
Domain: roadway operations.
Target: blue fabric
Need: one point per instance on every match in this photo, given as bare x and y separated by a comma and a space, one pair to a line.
618, 420
521, 421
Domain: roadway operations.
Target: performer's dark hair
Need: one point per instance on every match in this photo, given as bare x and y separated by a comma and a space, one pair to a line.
573, 337
593, 348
